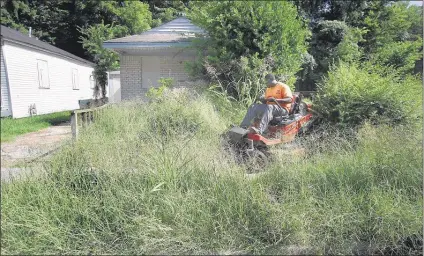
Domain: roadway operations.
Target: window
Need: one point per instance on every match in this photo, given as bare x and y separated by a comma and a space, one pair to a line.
75, 82
92, 82
43, 74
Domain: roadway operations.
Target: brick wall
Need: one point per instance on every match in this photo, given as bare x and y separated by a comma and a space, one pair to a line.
131, 77
131, 74
175, 68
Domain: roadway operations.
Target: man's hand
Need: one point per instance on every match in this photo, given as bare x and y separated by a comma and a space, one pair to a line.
271, 99
261, 99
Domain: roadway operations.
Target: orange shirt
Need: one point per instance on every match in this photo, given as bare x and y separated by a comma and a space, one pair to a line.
279, 91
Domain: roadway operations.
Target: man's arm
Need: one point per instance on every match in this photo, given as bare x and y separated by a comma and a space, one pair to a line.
284, 100
286, 95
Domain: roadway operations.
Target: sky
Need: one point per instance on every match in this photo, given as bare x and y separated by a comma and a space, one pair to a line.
419, 3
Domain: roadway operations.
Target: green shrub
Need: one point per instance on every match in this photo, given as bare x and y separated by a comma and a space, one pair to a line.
332, 41
399, 55
164, 84
245, 41
351, 94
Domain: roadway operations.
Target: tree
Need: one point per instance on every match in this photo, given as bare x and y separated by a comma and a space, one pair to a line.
165, 10
351, 12
395, 36
58, 22
45, 18
132, 17
242, 36
332, 41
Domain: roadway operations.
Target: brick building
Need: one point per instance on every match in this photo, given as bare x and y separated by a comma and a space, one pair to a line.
158, 53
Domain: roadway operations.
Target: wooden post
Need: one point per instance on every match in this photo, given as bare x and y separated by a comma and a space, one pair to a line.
84, 115
74, 125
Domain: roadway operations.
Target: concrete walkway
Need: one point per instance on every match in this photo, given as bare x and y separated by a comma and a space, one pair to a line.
31, 146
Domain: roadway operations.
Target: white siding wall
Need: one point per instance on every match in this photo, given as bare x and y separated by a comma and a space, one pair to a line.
114, 87
5, 102
132, 67
24, 87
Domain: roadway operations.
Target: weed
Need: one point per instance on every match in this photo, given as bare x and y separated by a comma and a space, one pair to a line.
153, 179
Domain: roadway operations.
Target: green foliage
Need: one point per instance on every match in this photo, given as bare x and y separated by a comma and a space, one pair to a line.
11, 128
351, 12
389, 33
164, 10
154, 179
132, 17
164, 84
105, 59
45, 18
395, 37
351, 95
131, 14
59, 22
244, 36
332, 41
400, 55
395, 23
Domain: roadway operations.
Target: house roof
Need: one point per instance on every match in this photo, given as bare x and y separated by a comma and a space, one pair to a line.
177, 32
9, 34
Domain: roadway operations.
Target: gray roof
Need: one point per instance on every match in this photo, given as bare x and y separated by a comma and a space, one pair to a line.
16, 36
180, 30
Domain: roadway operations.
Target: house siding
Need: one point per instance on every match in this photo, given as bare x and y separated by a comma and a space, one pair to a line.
24, 86
169, 66
5, 99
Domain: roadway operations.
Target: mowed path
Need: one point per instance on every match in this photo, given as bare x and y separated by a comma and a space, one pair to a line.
31, 146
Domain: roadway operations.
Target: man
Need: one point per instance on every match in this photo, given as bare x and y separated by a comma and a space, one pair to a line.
268, 109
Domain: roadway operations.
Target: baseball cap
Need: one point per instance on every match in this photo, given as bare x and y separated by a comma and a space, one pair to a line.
270, 78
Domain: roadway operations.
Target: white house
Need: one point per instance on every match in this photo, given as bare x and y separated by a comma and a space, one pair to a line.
38, 78
158, 53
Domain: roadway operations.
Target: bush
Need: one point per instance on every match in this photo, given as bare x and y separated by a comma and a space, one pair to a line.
246, 40
332, 41
351, 94
164, 84
399, 55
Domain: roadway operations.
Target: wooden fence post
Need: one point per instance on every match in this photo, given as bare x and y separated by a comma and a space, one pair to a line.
84, 117
74, 124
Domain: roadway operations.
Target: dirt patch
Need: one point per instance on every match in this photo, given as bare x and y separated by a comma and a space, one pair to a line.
33, 145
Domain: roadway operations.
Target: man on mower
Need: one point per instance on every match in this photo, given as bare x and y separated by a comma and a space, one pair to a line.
275, 92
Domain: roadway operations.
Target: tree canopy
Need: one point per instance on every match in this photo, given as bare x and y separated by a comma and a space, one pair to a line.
298, 40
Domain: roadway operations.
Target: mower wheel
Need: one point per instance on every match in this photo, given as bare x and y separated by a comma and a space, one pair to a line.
256, 160
303, 108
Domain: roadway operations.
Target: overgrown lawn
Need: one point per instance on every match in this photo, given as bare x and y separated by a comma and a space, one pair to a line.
154, 179
11, 128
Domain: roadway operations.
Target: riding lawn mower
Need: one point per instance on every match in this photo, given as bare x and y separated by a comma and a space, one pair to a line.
282, 129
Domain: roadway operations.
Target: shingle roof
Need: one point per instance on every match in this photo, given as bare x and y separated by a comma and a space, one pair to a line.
14, 35
175, 31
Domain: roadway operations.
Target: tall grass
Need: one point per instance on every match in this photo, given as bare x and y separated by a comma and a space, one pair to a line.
154, 179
